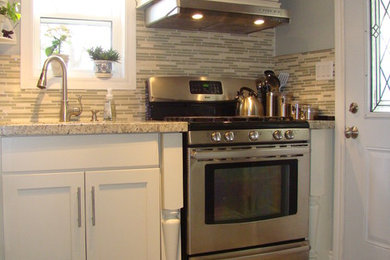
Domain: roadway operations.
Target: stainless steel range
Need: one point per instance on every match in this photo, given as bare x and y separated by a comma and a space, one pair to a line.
246, 179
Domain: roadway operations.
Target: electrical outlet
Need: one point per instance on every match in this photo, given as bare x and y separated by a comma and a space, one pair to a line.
324, 70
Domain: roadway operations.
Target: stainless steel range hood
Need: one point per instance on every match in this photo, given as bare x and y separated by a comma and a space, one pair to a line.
218, 16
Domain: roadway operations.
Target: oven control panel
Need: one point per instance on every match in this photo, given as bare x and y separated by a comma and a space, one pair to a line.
206, 87
248, 136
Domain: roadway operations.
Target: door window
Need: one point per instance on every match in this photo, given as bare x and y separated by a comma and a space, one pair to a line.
380, 55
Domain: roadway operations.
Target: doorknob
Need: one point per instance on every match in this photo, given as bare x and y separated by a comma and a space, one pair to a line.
351, 132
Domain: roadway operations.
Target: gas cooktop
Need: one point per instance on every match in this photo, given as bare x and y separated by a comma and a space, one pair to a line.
192, 119
238, 122
206, 104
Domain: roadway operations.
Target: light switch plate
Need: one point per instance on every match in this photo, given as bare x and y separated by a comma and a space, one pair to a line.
324, 70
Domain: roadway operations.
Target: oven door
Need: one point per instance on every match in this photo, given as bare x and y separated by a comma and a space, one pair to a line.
248, 196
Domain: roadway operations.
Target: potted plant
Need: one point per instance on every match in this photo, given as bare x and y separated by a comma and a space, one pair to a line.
103, 60
59, 36
9, 17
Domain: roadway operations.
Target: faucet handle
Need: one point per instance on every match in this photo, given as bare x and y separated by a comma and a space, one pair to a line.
80, 108
94, 115
75, 111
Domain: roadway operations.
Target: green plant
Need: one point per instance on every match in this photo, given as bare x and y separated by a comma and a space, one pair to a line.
59, 35
11, 10
98, 53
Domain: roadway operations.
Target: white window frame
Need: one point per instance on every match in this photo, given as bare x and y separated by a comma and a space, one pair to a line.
30, 53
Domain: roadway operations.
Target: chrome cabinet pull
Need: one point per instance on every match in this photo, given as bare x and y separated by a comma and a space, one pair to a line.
93, 206
79, 207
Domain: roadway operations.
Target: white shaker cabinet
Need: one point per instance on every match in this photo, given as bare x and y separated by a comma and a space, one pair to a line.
81, 197
44, 216
122, 214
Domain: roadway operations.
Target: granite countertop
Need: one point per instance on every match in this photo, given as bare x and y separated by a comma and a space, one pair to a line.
321, 124
86, 128
120, 127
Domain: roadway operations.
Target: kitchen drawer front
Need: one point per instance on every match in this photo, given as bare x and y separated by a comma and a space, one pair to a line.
40, 153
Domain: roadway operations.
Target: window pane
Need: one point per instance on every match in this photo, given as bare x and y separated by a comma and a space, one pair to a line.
380, 56
82, 35
101, 9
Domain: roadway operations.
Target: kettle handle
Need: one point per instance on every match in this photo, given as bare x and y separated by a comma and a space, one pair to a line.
251, 91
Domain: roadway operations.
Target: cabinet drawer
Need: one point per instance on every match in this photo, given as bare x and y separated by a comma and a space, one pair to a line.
37, 153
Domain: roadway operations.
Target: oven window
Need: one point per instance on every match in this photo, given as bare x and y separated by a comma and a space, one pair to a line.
242, 192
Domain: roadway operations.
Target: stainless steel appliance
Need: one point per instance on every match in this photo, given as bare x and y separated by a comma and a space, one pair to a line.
246, 178
218, 16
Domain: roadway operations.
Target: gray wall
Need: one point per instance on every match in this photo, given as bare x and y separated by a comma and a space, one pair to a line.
311, 27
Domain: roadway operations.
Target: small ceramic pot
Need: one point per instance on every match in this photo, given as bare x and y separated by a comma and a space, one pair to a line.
4, 24
103, 68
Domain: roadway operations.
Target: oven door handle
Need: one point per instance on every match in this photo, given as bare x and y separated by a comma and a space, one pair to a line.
250, 153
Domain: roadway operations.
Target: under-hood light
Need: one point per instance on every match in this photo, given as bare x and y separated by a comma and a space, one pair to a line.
259, 22
224, 16
197, 16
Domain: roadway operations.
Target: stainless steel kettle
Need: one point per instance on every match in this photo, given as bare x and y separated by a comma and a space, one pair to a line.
248, 104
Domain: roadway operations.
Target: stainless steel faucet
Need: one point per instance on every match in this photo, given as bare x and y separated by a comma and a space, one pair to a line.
65, 111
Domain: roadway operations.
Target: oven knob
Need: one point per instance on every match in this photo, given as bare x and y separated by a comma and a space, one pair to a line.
216, 137
253, 135
277, 135
289, 134
229, 136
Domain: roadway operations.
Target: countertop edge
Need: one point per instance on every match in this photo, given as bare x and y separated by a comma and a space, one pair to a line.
321, 124
85, 128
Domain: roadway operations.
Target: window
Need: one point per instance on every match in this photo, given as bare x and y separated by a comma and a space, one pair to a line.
380, 55
86, 24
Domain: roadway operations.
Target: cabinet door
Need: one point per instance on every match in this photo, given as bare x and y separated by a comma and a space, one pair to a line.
43, 216
122, 214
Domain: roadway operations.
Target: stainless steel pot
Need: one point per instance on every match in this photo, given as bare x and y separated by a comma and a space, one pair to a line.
248, 104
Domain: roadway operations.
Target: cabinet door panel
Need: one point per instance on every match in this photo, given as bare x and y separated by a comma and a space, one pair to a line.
123, 219
42, 216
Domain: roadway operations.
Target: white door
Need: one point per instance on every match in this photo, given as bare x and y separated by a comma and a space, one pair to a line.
123, 214
44, 216
362, 223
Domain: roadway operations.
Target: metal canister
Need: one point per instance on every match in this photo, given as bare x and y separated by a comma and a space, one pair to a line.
310, 112
282, 105
295, 110
270, 104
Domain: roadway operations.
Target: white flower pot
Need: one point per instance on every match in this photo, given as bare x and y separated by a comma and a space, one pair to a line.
56, 67
3, 20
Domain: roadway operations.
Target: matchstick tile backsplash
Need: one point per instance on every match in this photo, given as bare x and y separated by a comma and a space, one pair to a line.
302, 83
173, 53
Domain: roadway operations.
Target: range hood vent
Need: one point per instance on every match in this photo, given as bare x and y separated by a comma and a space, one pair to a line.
218, 16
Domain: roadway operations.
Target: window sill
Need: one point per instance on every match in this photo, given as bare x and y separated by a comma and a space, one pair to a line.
86, 84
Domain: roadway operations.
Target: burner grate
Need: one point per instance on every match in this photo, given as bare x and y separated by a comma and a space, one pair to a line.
219, 119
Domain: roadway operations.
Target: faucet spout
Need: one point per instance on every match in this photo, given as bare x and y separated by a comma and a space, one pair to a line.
42, 82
